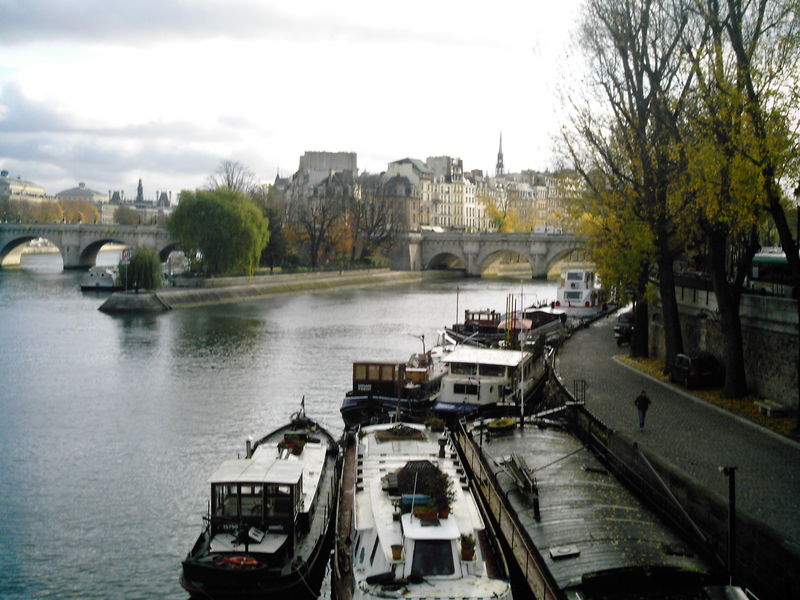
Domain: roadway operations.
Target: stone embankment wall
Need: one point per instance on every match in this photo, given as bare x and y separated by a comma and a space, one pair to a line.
769, 329
240, 289
765, 561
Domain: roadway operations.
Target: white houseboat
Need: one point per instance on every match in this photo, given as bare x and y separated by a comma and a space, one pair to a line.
578, 293
480, 378
269, 528
99, 278
409, 526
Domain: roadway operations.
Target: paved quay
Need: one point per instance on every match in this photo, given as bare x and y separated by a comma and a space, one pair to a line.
693, 435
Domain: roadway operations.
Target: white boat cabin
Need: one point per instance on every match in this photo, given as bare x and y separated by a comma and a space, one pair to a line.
484, 376
394, 544
578, 289
261, 504
100, 278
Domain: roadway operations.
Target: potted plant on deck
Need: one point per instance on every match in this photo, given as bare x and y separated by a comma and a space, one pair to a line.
467, 547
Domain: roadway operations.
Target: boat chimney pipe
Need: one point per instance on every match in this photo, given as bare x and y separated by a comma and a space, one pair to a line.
442, 444
249, 451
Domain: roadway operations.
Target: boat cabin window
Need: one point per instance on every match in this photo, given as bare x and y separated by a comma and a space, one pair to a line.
457, 368
279, 501
493, 370
229, 499
574, 276
469, 389
252, 500
433, 557
226, 500
572, 295
374, 372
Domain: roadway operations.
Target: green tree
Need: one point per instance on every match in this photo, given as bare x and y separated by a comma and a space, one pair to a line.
726, 198
621, 245
223, 230
142, 272
125, 215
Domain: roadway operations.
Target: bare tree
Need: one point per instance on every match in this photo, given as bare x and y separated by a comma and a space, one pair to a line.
318, 215
374, 217
628, 132
232, 175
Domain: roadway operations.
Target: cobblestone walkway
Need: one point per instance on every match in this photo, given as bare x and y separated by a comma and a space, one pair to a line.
693, 435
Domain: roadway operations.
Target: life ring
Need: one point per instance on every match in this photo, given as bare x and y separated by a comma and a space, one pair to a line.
243, 561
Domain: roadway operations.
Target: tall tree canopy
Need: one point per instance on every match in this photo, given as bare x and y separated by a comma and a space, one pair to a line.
623, 140
221, 229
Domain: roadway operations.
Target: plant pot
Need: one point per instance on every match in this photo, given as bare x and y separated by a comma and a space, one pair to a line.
468, 554
397, 551
444, 513
425, 514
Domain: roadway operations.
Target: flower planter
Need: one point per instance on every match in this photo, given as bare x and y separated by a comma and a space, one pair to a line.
397, 551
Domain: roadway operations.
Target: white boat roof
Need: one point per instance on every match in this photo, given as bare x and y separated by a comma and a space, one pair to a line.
258, 470
486, 356
373, 506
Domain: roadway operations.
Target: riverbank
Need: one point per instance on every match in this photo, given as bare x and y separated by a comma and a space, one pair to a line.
238, 289
744, 408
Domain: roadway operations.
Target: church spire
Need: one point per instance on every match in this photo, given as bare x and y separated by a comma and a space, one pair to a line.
499, 169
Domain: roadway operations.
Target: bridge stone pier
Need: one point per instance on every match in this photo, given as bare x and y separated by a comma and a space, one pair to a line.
474, 252
80, 243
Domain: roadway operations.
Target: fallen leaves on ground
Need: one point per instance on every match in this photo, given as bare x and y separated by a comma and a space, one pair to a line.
744, 407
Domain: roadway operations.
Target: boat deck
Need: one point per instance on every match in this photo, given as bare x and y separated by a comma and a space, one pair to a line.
344, 558
588, 523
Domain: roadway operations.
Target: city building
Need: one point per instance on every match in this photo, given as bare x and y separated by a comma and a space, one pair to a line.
83, 194
17, 189
150, 211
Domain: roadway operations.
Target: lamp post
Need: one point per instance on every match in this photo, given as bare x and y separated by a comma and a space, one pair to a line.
797, 302
730, 473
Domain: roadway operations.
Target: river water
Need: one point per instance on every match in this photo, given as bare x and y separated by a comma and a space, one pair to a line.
110, 425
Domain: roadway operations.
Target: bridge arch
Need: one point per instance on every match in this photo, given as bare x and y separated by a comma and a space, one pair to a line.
418, 251
446, 260
490, 258
11, 250
79, 243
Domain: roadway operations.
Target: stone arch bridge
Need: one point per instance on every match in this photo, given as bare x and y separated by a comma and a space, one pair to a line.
80, 243
474, 252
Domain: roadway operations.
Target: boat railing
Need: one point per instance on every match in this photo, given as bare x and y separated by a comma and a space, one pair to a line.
527, 556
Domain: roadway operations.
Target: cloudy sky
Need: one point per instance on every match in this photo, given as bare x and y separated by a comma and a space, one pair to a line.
110, 91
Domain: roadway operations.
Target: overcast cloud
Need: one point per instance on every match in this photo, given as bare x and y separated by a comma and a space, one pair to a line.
110, 91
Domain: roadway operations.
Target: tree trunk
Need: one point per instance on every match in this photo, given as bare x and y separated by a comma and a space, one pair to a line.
640, 340
728, 300
673, 337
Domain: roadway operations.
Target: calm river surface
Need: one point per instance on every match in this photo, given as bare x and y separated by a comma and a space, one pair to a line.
110, 425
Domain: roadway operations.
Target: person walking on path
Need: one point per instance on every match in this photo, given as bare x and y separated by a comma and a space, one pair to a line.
642, 403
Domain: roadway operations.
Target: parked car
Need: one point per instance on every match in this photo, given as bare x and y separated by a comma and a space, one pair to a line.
623, 328
696, 370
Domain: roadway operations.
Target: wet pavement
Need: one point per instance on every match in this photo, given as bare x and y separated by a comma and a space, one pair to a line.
693, 435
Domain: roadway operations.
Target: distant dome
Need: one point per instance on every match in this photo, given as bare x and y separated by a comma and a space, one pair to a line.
81, 192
